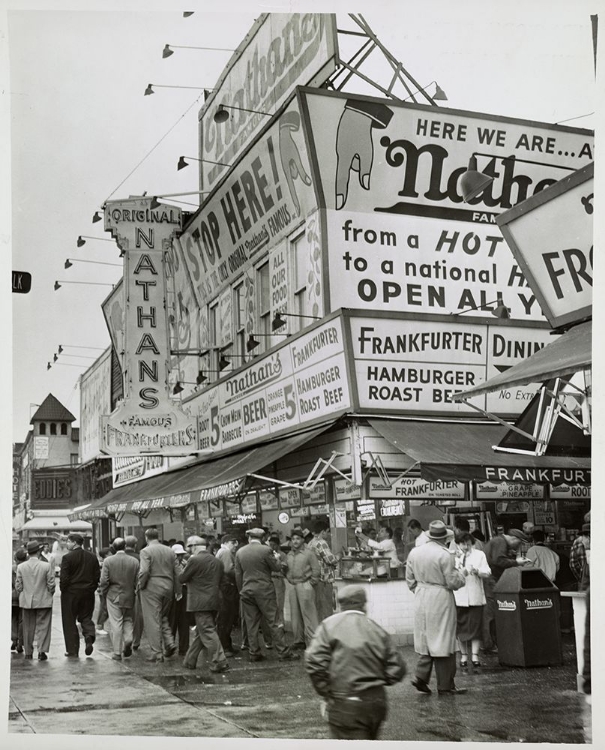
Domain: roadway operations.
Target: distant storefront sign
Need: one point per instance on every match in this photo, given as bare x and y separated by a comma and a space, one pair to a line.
508, 490
40, 448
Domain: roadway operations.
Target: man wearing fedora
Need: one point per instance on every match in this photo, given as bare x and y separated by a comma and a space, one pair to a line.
432, 576
79, 578
35, 582
118, 583
254, 564
350, 660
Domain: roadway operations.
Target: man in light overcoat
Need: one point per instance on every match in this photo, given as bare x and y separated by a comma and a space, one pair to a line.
35, 582
118, 584
432, 576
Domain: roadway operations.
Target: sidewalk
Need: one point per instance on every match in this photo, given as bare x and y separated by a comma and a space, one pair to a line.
97, 696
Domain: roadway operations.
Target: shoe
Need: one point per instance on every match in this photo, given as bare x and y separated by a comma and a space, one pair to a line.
89, 640
42, 656
453, 691
71, 656
268, 646
135, 648
170, 651
421, 686
230, 653
116, 657
19, 649
14, 646
476, 664
491, 650
224, 667
127, 650
100, 631
289, 656
28, 656
464, 666
298, 647
257, 657
154, 658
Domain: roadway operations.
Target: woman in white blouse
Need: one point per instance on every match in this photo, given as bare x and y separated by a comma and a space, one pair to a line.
470, 599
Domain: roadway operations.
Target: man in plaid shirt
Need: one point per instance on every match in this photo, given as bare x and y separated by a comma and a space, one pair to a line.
324, 597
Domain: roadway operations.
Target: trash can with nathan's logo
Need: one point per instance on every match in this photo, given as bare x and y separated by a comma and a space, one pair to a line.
527, 619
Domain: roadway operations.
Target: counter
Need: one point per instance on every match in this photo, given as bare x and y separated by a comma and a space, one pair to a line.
578, 599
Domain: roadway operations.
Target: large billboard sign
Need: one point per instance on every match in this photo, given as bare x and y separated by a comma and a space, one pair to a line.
147, 420
260, 203
301, 383
401, 236
551, 238
95, 400
281, 51
418, 365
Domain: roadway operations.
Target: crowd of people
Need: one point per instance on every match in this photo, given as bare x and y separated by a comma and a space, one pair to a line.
190, 597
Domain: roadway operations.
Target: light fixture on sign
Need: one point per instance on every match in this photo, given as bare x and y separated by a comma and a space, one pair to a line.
279, 322
82, 241
150, 86
221, 114
473, 182
500, 311
253, 342
182, 164
439, 94
169, 49
58, 284
70, 261
156, 204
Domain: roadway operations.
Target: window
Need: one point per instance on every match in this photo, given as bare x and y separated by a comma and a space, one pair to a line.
239, 320
42, 428
299, 256
263, 303
64, 428
73, 459
53, 428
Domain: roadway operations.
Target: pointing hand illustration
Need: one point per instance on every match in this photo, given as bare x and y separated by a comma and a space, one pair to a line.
290, 157
354, 147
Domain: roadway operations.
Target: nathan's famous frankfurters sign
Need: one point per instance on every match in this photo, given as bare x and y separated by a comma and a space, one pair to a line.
281, 51
400, 235
262, 200
147, 420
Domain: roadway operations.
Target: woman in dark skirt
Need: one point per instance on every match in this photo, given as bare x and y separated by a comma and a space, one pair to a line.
470, 599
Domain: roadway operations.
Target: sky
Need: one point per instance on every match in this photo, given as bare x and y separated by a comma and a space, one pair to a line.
82, 130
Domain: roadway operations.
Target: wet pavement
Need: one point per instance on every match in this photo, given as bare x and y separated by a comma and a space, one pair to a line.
98, 696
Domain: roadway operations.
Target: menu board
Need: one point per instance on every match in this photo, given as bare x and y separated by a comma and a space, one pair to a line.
508, 491
315, 495
416, 488
268, 500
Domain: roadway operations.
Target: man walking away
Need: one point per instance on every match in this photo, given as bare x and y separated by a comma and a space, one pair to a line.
350, 660
202, 576
35, 582
118, 583
229, 597
78, 579
254, 564
432, 576
543, 557
158, 582
324, 590
16, 611
303, 575
137, 629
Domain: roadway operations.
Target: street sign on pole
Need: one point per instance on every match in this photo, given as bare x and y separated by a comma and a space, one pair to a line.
22, 282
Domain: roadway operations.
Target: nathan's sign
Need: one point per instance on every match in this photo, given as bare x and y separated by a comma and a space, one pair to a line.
261, 201
390, 177
281, 51
147, 420
418, 365
302, 382
550, 235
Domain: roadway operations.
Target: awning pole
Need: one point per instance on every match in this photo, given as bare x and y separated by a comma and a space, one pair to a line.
493, 417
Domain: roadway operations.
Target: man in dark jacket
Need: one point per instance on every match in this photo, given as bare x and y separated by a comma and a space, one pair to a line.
203, 574
78, 579
350, 660
254, 564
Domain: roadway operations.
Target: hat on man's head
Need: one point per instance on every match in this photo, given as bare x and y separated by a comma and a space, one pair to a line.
297, 532
33, 547
255, 533
77, 538
275, 538
193, 540
438, 531
20, 555
518, 535
586, 528
351, 595
178, 549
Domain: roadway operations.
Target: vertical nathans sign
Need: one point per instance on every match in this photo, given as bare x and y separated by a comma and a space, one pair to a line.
401, 237
146, 421
282, 51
